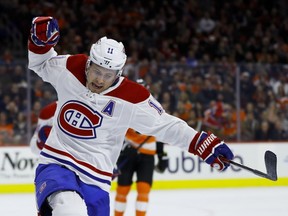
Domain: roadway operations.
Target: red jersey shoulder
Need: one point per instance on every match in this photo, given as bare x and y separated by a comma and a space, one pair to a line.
76, 64
130, 91
48, 111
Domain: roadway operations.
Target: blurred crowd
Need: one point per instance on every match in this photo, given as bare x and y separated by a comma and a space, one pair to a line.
218, 65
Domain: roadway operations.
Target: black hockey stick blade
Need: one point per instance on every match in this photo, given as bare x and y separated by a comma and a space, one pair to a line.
270, 164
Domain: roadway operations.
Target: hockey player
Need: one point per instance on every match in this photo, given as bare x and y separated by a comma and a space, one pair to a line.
43, 128
95, 108
137, 157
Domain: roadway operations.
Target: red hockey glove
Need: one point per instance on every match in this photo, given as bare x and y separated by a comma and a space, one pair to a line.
44, 31
44, 34
210, 148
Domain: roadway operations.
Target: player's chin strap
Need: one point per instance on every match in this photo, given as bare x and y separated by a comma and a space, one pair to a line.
116, 81
88, 64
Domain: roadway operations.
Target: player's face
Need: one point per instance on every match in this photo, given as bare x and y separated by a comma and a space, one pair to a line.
99, 79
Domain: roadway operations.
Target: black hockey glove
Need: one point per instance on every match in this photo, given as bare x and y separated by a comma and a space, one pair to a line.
162, 164
116, 173
162, 158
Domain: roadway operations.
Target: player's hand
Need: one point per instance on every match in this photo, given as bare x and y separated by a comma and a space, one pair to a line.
44, 133
45, 31
116, 173
210, 148
162, 164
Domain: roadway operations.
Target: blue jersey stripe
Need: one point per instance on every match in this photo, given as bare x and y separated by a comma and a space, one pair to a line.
76, 167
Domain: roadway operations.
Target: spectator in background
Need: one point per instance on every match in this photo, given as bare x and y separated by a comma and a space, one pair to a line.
230, 121
193, 120
166, 101
11, 111
7, 57
20, 129
35, 112
248, 127
6, 130
279, 133
213, 116
264, 132
206, 23
37, 89
19, 76
246, 88
250, 33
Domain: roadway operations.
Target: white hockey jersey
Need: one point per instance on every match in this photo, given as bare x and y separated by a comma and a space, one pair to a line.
89, 128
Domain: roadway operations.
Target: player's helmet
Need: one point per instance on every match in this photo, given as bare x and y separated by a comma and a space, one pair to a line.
108, 53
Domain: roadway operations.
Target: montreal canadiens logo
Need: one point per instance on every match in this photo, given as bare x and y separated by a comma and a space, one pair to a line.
79, 120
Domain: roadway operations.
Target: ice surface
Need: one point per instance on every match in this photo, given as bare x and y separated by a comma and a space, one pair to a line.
260, 201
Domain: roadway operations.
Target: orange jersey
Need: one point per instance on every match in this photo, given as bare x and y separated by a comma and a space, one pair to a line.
136, 139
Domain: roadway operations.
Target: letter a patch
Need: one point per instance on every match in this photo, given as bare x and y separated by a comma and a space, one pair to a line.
109, 108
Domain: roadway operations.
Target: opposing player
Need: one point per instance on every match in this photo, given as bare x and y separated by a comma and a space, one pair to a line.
137, 157
44, 125
95, 108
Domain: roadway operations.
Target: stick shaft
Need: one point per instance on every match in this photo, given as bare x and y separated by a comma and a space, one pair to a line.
256, 172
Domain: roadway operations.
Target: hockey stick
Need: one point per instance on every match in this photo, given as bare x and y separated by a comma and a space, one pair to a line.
270, 164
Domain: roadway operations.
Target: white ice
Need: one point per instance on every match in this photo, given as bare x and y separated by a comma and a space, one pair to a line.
260, 201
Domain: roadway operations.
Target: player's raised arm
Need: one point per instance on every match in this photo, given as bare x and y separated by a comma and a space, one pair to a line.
44, 36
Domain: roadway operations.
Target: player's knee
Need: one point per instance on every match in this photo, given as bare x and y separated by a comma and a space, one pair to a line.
122, 192
67, 203
143, 187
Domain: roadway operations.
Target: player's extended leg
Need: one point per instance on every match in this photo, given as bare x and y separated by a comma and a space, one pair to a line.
143, 190
145, 171
121, 199
67, 203
124, 181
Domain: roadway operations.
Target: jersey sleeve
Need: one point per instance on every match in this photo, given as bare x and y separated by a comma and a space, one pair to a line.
151, 119
48, 65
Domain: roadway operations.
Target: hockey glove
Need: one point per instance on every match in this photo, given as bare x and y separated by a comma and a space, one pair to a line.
162, 164
209, 147
45, 31
42, 136
116, 173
